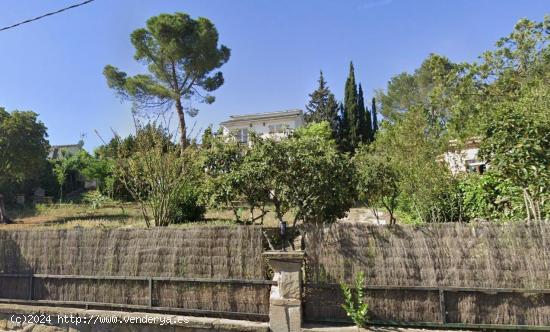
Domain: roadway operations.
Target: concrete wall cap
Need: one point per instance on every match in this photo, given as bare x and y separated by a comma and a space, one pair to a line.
284, 255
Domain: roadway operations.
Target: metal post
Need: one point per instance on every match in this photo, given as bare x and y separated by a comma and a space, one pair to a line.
150, 292
442, 306
282, 230
31, 287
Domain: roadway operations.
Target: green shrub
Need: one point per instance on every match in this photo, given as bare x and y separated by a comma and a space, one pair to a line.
489, 197
355, 305
95, 198
187, 205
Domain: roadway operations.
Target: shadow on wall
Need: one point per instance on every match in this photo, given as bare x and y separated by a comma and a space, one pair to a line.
13, 262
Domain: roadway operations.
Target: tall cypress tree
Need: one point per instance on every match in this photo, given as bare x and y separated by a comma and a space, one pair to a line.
365, 124
374, 118
351, 112
322, 106
361, 125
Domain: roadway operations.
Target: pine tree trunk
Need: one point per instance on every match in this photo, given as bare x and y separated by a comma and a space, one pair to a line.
183, 129
3, 217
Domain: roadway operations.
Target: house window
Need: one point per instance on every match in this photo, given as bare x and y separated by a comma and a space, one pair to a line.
276, 128
242, 135
475, 166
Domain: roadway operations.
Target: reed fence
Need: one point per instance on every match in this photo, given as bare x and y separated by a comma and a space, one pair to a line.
451, 275
214, 271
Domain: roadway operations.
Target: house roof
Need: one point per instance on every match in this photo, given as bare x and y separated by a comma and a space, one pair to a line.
66, 146
472, 142
263, 116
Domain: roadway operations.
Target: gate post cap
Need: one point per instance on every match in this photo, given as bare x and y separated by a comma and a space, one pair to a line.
279, 255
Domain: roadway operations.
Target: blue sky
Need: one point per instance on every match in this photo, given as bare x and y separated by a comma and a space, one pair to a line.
54, 66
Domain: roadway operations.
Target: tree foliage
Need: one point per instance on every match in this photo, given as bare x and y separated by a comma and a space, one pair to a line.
318, 177
23, 146
305, 173
155, 172
378, 181
68, 163
181, 55
374, 118
323, 106
351, 113
365, 120
354, 297
503, 100
517, 146
23, 151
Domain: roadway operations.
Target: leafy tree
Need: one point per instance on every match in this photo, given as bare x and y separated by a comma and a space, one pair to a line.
305, 173
317, 177
207, 137
181, 54
221, 161
236, 174
255, 178
501, 75
23, 150
269, 160
100, 170
323, 106
517, 143
426, 185
378, 181
79, 163
154, 172
426, 90
503, 99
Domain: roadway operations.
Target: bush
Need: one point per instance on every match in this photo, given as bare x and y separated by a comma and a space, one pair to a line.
355, 305
95, 198
377, 181
154, 173
489, 197
187, 206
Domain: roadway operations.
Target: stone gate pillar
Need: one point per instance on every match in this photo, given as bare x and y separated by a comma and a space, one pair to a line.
285, 301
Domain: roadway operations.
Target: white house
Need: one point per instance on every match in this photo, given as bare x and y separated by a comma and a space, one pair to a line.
60, 151
271, 124
464, 158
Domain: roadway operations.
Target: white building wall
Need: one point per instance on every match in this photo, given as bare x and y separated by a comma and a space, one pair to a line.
458, 160
272, 128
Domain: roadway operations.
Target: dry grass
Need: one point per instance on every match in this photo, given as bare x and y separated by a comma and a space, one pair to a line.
71, 215
128, 215
125, 215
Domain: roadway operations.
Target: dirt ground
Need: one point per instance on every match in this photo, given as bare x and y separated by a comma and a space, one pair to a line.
128, 215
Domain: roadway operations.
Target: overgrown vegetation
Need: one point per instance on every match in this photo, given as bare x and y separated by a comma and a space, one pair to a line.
159, 176
502, 100
346, 154
305, 173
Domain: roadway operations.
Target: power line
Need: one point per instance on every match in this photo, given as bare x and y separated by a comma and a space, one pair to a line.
46, 15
